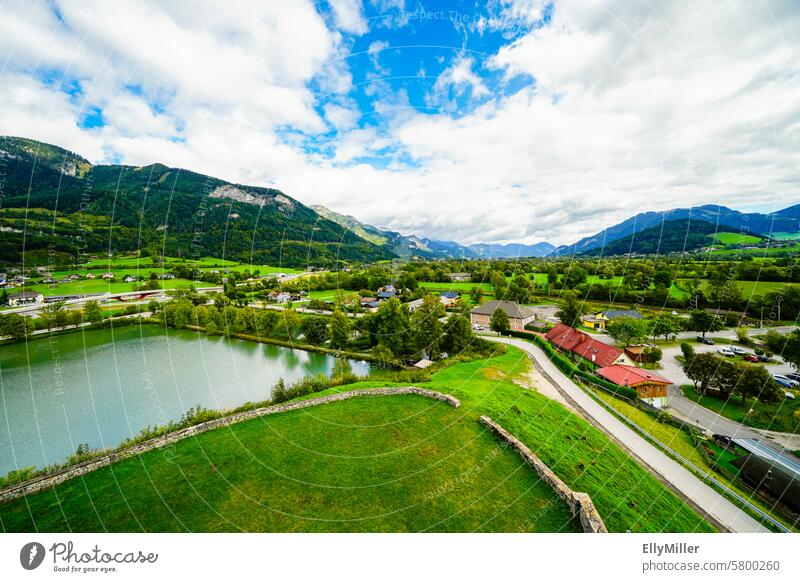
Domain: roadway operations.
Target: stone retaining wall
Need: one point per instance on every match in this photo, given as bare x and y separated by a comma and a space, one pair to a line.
580, 503
46, 481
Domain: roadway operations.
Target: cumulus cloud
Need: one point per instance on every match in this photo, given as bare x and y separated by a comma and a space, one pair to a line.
634, 106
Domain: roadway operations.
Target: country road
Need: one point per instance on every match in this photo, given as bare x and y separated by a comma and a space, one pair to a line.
689, 486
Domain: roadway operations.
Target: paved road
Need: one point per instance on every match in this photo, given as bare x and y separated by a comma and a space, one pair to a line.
689, 486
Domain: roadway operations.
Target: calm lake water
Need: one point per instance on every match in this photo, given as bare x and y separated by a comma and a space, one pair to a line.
102, 386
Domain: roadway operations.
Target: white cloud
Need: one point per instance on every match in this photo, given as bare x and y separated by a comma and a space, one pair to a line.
636, 106
349, 16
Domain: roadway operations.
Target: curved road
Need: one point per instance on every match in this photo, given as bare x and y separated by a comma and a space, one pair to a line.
686, 483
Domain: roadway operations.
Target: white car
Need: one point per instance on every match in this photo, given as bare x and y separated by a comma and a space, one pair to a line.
727, 352
738, 351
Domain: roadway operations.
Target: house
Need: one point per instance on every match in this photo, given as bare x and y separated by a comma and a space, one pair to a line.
108, 276
370, 303
518, 315
89, 275
413, 305
449, 297
129, 279
456, 277
596, 321
385, 294
637, 354
25, 298
569, 340
166, 276
649, 386
423, 363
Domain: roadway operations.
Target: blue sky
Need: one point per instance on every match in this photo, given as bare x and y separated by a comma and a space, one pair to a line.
496, 121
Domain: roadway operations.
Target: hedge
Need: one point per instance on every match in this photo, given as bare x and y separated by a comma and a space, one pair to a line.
571, 369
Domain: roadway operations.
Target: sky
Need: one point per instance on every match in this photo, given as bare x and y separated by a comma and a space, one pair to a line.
497, 121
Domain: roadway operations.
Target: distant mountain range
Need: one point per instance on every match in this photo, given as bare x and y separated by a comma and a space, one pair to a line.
410, 245
786, 220
58, 206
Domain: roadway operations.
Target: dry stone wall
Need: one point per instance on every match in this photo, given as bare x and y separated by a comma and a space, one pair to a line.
46, 481
580, 503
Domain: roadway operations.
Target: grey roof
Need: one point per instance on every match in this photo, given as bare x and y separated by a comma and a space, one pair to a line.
614, 313
449, 294
766, 452
386, 294
512, 309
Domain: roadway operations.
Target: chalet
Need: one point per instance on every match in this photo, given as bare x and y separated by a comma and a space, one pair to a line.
649, 386
25, 298
572, 341
129, 279
414, 305
518, 315
89, 275
385, 294
458, 277
278, 297
108, 276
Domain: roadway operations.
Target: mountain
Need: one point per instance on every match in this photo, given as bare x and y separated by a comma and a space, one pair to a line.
405, 246
59, 207
671, 236
511, 250
787, 220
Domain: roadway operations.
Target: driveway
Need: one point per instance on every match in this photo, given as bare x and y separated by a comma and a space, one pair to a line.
717, 507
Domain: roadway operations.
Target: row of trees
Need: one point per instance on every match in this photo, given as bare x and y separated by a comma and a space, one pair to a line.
708, 371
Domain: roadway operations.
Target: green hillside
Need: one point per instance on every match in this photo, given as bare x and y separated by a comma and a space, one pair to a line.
58, 206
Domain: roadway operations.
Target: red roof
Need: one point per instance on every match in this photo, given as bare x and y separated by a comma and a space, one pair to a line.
623, 375
572, 340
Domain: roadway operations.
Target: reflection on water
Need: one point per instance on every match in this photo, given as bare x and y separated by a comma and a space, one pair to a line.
101, 386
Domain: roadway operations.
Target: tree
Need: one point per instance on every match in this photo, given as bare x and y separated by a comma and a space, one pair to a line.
704, 322
499, 321
339, 330
288, 323
727, 376
575, 276
666, 324
653, 355
701, 370
392, 326
476, 294
627, 330
53, 314
791, 349
570, 309
315, 329
458, 335
92, 312
16, 326
757, 382
688, 354
426, 327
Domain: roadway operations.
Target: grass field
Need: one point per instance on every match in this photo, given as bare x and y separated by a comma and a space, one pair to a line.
379, 464
748, 288
769, 252
89, 286
145, 265
781, 417
399, 463
735, 238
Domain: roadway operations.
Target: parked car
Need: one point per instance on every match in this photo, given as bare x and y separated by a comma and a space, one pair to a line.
751, 358
789, 395
793, 376
705, 340
785, 382
738, 351
764, 358
727, 352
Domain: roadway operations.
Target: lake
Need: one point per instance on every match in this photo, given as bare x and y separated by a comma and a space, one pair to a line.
102, 386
